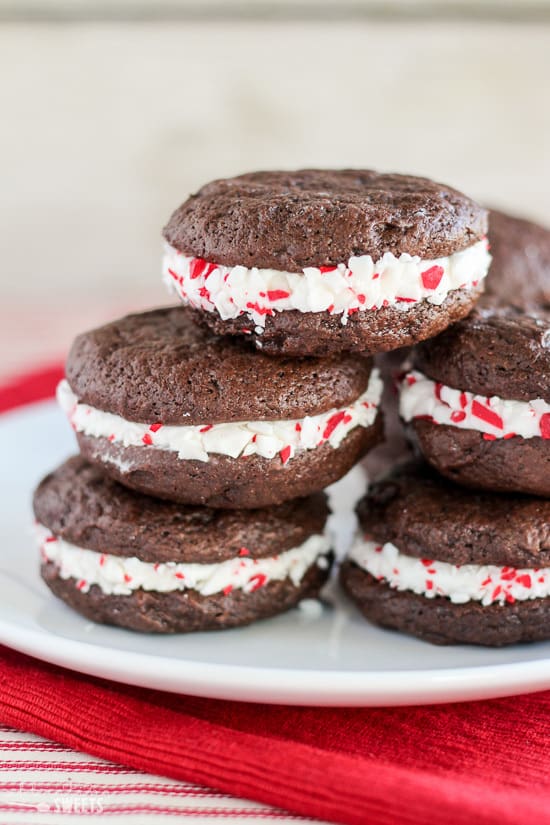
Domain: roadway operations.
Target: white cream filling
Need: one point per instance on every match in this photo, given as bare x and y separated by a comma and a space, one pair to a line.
496, 417
486, 583
120, 575
264, 438
361, 284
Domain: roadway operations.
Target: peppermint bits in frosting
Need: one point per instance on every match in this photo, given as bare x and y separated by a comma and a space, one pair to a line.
315, 262
173, 410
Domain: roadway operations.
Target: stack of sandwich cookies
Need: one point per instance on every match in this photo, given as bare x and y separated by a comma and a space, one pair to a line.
449, 565
445, 563
478, 400
315, 262
126, 559
206, 431
175, 411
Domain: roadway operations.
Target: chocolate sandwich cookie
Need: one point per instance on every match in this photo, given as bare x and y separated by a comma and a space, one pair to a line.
450, 565
175, 411
520, 271
519, 277
315, 262
478, 401
123, 558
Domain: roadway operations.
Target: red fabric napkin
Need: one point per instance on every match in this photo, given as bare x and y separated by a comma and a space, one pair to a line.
479, 762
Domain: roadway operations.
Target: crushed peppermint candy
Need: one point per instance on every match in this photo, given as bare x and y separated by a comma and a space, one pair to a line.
121, 575
460, 583
422, 398
268, 439
360, 284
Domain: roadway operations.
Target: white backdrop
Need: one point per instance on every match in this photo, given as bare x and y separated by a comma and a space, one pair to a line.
106, 127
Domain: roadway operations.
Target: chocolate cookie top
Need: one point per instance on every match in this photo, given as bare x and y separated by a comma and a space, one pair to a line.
427, 517
494, 351
159, 366
520, 271
312, 217
84, 507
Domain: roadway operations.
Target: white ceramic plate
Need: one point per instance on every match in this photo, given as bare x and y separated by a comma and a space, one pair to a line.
334, 658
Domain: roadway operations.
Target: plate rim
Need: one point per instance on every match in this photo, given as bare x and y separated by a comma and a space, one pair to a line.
275, 685
271, 685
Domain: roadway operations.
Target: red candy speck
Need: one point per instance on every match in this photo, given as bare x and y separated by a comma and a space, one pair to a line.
257, 308
102, 560
406, 300
487, 415
431, 277
205, 428
49, 539
411, 380
510, 435
298, 427
175, 276
277, 294
429, 584
244, 551
147, 439
545, 425
524, 579
196, 266
361, 298
227, 590
332, 423
489, 437
457, 416
285, 454
327, 269
180, 576
81, 584
199, 266
127, 578
375, 276
111, 437
257, 581
463, 400
427, 562
155, 427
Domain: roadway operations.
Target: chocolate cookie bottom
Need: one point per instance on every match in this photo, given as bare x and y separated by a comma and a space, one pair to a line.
441, 622
370, 331
224, 482
503, 465
184, 611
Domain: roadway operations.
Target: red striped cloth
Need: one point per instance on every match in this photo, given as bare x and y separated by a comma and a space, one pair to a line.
482, 762
42, 781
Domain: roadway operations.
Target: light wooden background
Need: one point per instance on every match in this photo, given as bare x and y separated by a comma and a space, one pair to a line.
107, 124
